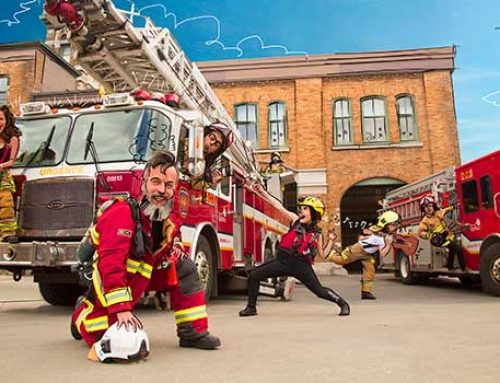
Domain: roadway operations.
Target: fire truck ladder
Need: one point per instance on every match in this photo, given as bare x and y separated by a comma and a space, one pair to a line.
124, 58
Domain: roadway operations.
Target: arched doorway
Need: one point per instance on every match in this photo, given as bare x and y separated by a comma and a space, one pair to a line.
359, 205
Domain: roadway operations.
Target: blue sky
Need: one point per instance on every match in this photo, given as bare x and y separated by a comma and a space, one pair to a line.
213, 30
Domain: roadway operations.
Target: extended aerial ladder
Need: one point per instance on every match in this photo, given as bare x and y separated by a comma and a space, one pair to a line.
122, 58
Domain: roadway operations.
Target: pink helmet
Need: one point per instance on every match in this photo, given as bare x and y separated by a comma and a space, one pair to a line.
226, 132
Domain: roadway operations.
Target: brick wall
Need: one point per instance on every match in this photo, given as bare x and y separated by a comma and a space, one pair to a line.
310, 132
21, 75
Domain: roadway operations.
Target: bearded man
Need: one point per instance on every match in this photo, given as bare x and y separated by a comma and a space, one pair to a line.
125, 267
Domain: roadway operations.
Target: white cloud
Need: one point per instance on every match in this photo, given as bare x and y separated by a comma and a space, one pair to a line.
216, 40
25, 6
492, 98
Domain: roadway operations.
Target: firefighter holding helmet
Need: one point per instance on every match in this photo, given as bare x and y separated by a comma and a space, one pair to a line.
296, 252
378, 238
433, 227
138, 254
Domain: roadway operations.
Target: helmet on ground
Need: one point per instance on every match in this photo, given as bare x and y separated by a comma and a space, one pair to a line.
386, 218
424, 201
119, 345
314, 203
227, 133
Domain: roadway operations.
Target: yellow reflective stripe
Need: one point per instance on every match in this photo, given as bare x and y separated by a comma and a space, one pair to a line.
191, 314
118, 296
96, 324
146, 270
142, 268
94, 235
86, 311
96, 281
132, 266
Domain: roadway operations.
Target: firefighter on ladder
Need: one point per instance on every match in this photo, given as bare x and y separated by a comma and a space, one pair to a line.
122, 274
378, 238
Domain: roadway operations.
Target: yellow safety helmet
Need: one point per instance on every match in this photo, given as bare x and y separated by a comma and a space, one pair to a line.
386, 218
314, 203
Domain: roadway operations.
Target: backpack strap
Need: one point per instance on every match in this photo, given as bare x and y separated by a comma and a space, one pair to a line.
139, 236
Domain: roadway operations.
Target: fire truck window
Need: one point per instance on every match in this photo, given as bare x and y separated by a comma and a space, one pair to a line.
43, 141
486, 193
469, 192
118, 136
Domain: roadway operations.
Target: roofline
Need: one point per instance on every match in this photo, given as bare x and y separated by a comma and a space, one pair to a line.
330, 65
45, 49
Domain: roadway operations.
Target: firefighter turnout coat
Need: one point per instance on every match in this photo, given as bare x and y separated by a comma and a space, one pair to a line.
120, 276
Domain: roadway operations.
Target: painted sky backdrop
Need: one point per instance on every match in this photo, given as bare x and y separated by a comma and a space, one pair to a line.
223, 29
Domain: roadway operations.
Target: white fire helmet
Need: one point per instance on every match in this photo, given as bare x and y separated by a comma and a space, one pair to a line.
120, 345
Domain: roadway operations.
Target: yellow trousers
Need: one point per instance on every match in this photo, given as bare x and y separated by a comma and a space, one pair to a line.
356, 253
8, 223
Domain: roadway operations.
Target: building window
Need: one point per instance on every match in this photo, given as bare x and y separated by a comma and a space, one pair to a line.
406, 118
4, 90
342, 122
277, 125
374, 120
246, 122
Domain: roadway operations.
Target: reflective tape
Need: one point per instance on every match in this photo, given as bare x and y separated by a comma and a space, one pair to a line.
191, 314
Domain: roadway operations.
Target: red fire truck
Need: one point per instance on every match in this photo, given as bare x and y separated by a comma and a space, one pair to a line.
474, 189
77, 153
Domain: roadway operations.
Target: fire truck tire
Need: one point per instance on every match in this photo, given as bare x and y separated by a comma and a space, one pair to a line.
60, 294
490, 269
405, 273
204, 261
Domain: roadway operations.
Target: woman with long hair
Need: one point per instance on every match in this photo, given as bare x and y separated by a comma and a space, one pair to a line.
9, 147
296, 252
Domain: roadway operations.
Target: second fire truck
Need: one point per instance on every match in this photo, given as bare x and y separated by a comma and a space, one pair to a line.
474, 191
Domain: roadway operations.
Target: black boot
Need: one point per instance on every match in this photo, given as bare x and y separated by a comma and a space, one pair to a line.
248, 311
72, 327
344, 308
206, 342
368, 295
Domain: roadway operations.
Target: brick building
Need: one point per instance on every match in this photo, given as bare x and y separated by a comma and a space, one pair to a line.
31, 67
352, 126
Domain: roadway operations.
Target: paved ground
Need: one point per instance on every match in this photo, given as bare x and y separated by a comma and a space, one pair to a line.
435, 333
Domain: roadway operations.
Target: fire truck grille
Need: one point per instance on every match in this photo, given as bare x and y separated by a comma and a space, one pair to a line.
56, 207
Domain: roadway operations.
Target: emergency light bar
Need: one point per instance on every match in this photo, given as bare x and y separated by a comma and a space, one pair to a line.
31, 108
117, 99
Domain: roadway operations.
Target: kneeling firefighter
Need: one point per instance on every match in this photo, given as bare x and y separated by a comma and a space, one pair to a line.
296, 253
125, 264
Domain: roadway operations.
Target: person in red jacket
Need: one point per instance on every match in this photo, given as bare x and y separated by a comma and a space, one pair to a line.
124, 269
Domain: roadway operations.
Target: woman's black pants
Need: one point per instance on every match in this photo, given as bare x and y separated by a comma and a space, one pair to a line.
293, 265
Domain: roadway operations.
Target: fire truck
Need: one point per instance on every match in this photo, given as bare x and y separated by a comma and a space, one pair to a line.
76, 154
472, 191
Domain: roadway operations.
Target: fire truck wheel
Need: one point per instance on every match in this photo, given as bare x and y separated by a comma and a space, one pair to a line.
60, 294
204, 265
405, 273
490, 269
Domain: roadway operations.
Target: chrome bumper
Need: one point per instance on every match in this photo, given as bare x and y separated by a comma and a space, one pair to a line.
38, 254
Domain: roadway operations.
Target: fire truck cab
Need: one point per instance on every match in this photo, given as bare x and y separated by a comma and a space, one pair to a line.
473, 189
